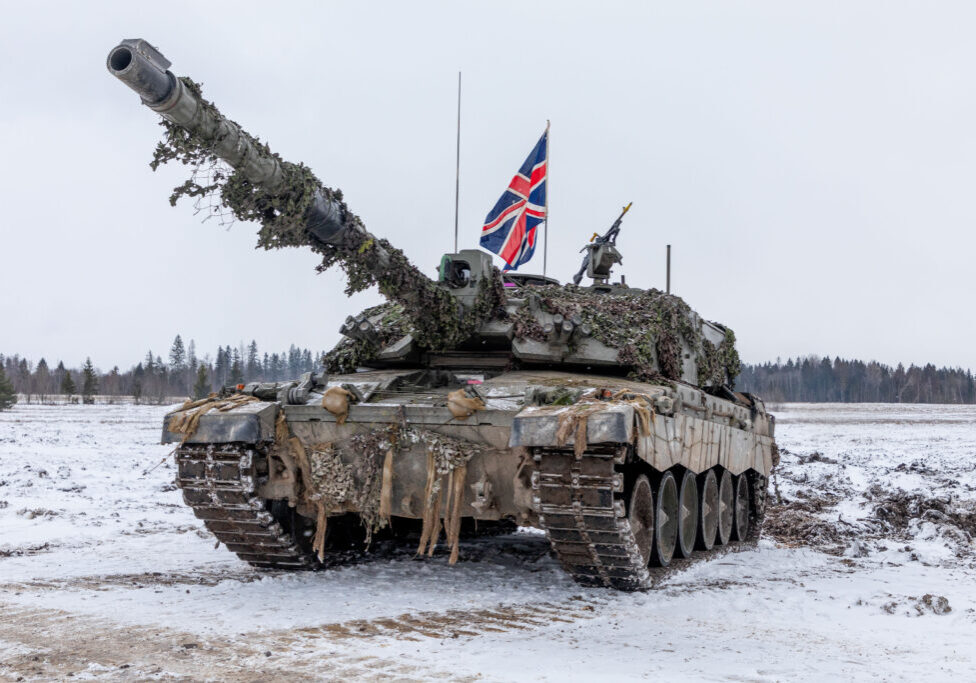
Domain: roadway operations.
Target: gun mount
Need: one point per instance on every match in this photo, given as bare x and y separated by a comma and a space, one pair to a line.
602, 254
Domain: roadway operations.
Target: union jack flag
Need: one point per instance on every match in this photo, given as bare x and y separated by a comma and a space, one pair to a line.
510, 228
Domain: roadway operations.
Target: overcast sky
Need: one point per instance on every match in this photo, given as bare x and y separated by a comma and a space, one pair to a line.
812, 164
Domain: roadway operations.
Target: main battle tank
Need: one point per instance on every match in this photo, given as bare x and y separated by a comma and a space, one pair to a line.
467, 404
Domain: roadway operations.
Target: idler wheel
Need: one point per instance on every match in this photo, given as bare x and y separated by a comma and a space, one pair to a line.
687, 514
708, 512
665, 521
741, 526
641, 517
726, 496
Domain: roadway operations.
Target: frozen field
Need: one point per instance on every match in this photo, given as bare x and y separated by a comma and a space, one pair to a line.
866, 572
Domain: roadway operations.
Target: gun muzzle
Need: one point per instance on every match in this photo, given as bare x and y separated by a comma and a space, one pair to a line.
143, 68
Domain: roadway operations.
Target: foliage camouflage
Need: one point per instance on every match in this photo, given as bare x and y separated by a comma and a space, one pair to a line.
437, 322
641, 324
350, 354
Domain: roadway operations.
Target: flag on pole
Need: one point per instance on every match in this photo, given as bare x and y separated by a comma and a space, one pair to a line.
511, 228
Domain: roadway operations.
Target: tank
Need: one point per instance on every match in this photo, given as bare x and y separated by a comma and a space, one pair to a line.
470, 403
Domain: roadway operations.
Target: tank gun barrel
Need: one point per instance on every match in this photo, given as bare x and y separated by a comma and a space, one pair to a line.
294, 208
144, 69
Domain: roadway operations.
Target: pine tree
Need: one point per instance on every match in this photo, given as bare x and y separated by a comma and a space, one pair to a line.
8, 396
177, 354
90, 386
294, 362
252, 369
161, 383
236, 371
202, 386
68, 384
113, 382
42, 379
192, 363
25, 379
177, 365
59, 373
220, 367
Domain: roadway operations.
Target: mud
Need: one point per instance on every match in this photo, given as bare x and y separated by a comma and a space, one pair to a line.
810, 515
918, 606
801, 523
899, 510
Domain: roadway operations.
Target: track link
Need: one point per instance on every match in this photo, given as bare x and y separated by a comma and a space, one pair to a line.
581, 507
219, 483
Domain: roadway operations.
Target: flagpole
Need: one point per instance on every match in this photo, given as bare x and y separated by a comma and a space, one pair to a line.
457, 168
545, 227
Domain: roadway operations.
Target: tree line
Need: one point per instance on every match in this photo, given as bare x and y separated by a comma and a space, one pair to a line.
154, 380
813, 379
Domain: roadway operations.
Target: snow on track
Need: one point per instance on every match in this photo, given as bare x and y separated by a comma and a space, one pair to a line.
867, 574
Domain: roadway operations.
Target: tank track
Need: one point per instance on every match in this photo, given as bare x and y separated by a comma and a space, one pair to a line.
581, 507
219, 482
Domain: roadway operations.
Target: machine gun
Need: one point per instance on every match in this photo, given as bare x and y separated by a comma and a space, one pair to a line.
601, 253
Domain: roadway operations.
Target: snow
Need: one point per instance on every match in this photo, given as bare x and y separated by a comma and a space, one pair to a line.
105, 574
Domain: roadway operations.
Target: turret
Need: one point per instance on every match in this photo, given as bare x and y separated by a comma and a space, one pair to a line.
292, 205
462, 322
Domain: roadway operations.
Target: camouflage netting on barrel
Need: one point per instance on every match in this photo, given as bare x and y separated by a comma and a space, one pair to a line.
218, 190
641, 324
437, 321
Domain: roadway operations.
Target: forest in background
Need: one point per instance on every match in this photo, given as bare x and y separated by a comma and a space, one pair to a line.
184, 373
818, 380
154, 380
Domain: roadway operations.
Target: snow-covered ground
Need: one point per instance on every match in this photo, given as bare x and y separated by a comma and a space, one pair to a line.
867, 572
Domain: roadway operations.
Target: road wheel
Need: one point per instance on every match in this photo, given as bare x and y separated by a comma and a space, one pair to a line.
708, 511
726, 506
741, 526
687, 514
641, 517
665, 521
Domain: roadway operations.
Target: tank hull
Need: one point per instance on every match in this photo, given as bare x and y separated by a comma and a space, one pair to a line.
567, 469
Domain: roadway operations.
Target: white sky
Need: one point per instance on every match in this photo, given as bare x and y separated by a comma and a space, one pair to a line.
812, 164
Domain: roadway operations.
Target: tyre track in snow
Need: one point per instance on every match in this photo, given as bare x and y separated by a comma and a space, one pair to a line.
48, 644
41, 643
454, 623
